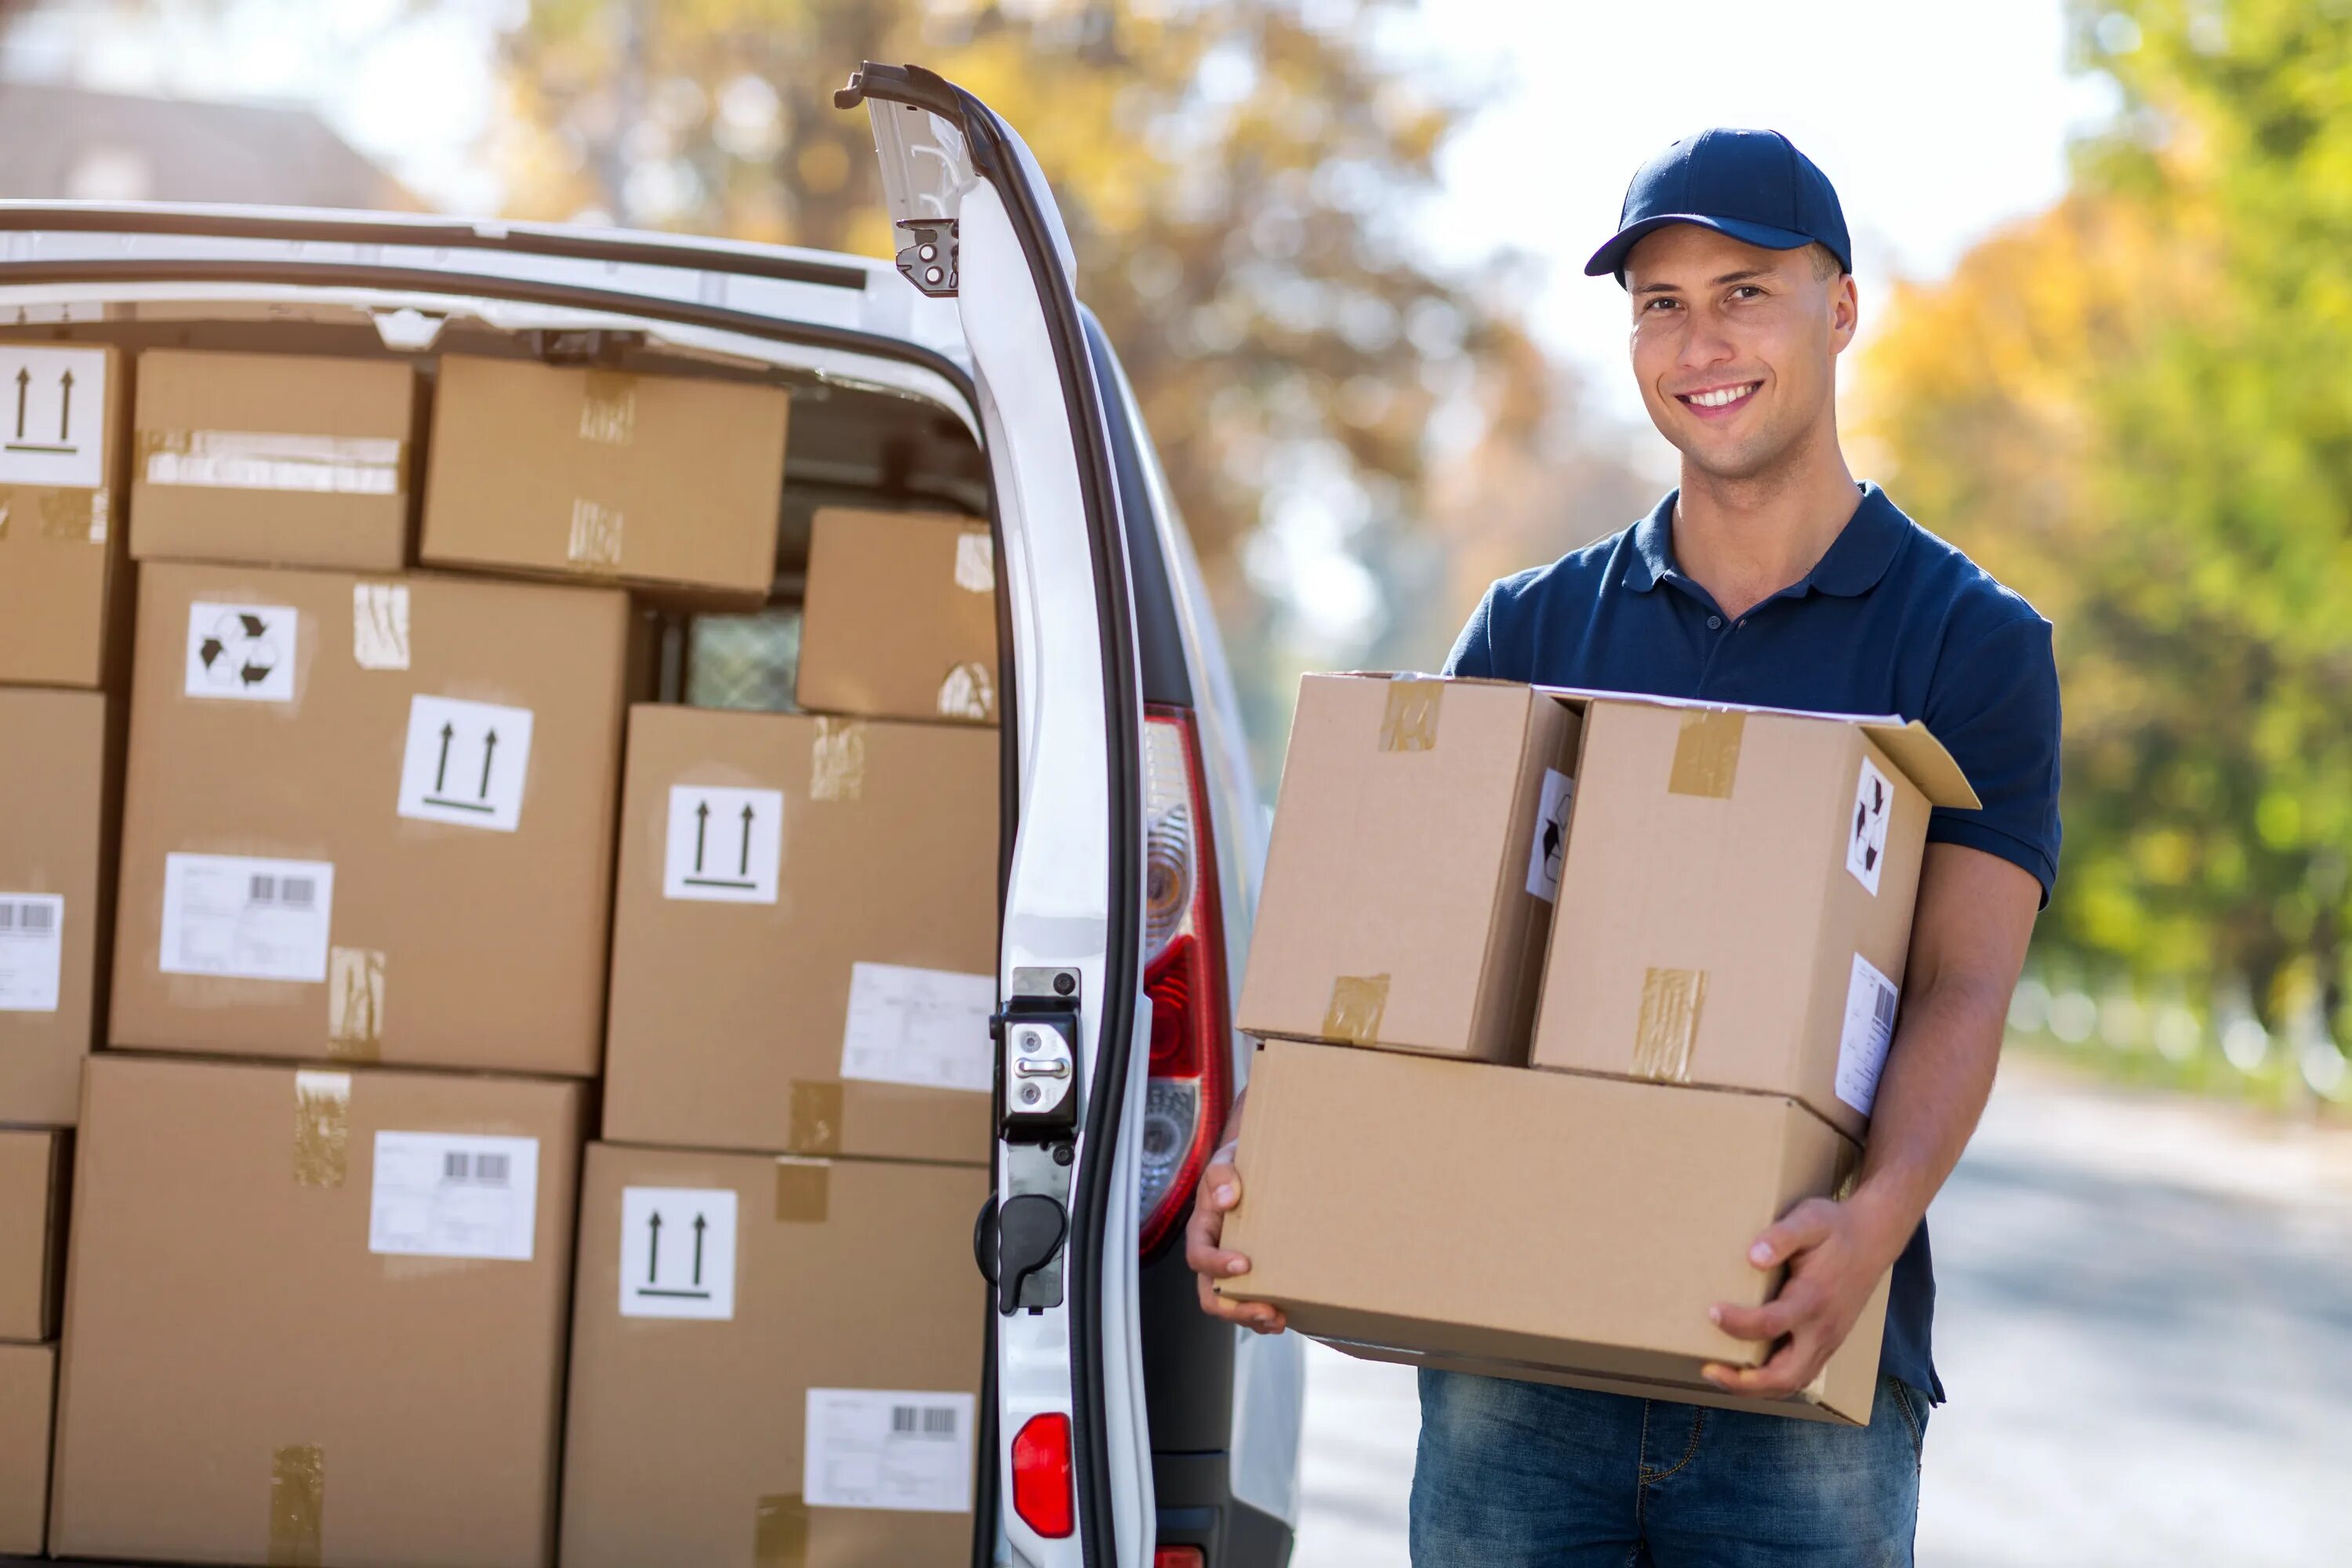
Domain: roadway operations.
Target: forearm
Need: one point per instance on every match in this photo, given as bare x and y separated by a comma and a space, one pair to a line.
1939, 1076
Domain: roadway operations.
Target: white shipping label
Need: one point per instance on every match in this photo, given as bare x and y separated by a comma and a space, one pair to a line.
466, 763
1865, 845
1870, 1003
243, 652
927, 1027
252, 919
380, 625
32, 939
454, 1194
52, 417
872, 1448
725, 845
1548, 844
677, 1252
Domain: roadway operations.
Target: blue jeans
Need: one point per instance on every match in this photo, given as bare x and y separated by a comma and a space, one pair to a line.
1523, 1475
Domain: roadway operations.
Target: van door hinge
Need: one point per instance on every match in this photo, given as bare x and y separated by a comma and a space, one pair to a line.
929, 263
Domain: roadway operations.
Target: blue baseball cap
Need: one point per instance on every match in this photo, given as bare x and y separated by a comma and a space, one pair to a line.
1753, 185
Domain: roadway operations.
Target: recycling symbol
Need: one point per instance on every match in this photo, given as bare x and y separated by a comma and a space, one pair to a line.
240, 650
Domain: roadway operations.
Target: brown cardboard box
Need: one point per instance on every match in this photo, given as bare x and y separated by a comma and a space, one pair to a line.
310, 1318
833, 1293
821, 988
32, 1231
1410, 878
369, 819
900, 616
56, 895
1555, 1225
273, 459
28, 1376
663, 482
63, 586
1735, 906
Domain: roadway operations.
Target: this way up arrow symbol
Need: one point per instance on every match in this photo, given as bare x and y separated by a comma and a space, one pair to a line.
701, 826
441, 770
24, 380
653, 1248
743, 861
489, 749
65, 405
698, 1249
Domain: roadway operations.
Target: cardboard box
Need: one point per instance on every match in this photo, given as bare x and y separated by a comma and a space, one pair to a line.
753, 1419
28, 1376
1735, 906
315, 1315
1555, 1225
369, 819
804, 936
33, 1166
273, 459
57, 797
64, 584
1410, 882
666, 483
900, 620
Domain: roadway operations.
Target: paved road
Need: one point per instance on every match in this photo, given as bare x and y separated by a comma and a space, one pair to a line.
2145, 1324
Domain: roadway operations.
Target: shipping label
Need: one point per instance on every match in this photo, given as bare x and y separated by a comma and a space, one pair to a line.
725, 845
32, 943
927, 1027
241, 652
870, 1447
464, 763
454, 1194
52, 417
1870, 1004
1548, 844
239, 916
1865, 846
677, 1252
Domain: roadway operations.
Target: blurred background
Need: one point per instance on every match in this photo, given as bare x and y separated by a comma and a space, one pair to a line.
2103, 257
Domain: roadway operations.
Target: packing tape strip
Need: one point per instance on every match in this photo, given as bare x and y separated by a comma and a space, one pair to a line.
967, 690
975, 561
380, 625
837, 760
354, 1004
803, 1189
596, 542
71, 517
608, 409
1706, 754
1409, 723
1356, 1003
297, 1505
1668, 1026
323, 1127
272, 460
815, 1117
779, 1531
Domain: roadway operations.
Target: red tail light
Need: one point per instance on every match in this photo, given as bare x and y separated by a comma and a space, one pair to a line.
1041, 1474
1179, 1557
1185, 974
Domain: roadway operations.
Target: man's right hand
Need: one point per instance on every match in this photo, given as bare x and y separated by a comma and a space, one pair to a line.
1221, 1189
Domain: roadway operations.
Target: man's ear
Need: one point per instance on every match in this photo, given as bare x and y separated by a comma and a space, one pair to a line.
1845, 311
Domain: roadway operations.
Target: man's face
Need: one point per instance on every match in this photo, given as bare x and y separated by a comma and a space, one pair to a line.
1735, 347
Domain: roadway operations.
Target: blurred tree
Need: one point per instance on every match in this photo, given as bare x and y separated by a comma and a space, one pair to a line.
2136, 409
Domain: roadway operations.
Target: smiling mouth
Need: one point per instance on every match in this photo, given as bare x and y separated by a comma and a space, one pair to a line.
1716, 397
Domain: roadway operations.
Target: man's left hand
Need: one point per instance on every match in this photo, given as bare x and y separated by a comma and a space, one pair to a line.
1835, 1253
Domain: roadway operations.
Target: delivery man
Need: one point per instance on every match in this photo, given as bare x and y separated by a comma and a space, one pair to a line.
1769, 577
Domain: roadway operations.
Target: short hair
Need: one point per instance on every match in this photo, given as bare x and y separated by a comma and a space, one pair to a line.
1825, 262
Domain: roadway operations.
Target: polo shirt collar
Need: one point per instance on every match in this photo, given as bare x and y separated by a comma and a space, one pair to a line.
1856, 559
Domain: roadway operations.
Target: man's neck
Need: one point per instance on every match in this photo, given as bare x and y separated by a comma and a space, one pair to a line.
1745, 540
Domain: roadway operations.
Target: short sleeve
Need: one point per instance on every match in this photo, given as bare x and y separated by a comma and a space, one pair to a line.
1995, 708
1474, 650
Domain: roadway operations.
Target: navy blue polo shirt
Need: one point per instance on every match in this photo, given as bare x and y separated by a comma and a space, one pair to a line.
1891, 620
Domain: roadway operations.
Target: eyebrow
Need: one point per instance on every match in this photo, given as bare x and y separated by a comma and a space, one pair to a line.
1742, 276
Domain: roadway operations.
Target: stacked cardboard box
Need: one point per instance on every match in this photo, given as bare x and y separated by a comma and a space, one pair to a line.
1697, 915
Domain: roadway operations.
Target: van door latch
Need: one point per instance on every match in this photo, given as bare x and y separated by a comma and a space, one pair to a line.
930, 262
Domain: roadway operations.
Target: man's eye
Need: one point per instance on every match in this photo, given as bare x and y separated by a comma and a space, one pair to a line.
1747, 290
1659, 304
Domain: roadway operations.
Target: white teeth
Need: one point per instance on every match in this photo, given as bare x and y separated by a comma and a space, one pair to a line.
1719, 398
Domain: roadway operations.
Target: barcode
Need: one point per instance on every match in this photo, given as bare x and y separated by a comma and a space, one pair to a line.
478, 1170
922, 1421
1882, 1013
32, 919
288, 892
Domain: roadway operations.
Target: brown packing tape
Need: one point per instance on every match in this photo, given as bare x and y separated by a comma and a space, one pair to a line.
779, 1531
71, 517
1706, 754
1668, 1026
968, 691
323, 1127
354, 1004
297, 1505
596, 542
272, 460
816, 1117
837, 760
1409, 723
1356, 1003
803, 1189
608, 409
